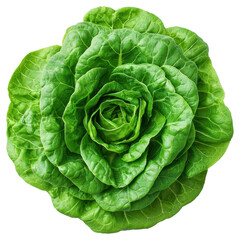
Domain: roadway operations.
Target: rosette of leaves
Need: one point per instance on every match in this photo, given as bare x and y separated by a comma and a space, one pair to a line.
121, 123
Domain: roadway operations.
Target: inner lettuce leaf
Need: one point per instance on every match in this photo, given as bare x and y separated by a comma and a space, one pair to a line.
121, 123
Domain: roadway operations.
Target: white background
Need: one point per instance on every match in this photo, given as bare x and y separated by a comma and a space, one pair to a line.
27, 213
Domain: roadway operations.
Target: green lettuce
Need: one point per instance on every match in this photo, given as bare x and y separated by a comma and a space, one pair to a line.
119, 124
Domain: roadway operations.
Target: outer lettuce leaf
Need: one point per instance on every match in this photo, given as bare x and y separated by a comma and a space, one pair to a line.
24, 144
167, 204
213, 121
128, 17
